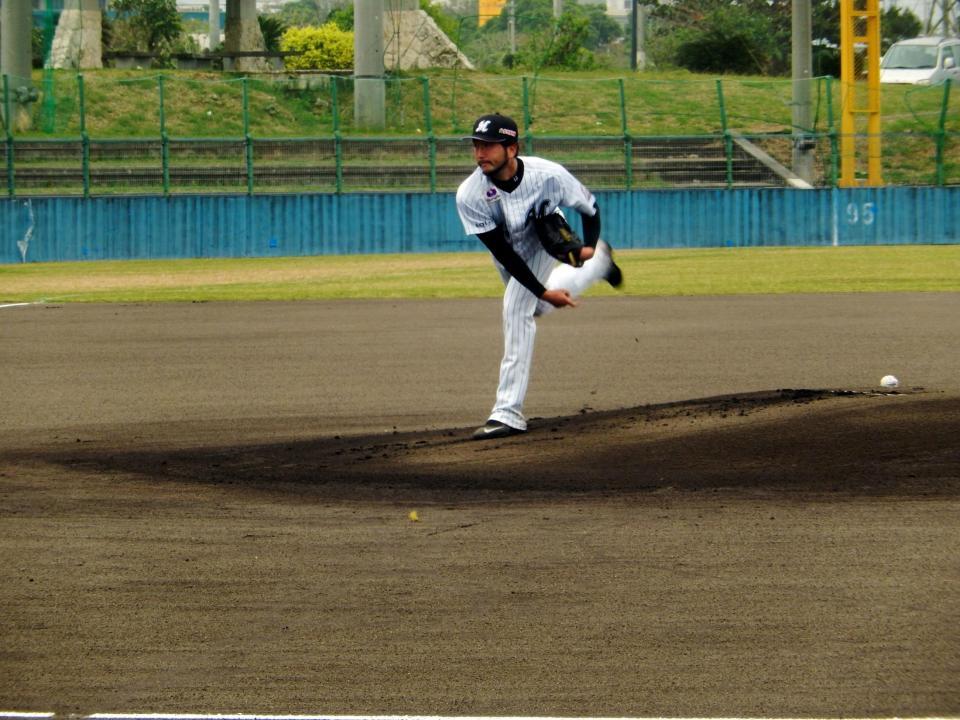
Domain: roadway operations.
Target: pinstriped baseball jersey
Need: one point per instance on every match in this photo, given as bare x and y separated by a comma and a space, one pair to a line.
546, 186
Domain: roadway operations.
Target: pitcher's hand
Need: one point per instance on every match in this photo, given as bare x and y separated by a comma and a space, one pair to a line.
559, 298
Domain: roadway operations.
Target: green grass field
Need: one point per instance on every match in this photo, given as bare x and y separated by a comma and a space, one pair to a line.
126, 103
926, 268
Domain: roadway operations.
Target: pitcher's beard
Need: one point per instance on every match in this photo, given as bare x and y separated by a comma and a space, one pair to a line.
494, 171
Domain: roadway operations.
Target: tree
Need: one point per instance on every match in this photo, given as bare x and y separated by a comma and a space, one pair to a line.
601, 29
530, 15
146, 25
39, 47
342, 18
897, 24
564, 42
447, 23
272, 28
730, 39
719, 36
300, 13
753, 35
565, 47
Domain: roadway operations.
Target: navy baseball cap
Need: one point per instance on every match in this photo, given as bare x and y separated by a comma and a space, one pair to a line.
495, 128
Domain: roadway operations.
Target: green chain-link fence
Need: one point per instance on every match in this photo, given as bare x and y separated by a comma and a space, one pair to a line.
121, 132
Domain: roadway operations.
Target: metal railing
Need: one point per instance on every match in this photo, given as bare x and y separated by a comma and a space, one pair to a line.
727, 133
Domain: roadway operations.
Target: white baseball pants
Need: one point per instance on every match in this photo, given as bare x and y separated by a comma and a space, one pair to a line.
520, 308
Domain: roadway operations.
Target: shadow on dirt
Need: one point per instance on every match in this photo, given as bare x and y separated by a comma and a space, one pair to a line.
785, 440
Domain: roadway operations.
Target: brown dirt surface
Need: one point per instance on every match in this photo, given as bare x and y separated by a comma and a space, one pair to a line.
276, 508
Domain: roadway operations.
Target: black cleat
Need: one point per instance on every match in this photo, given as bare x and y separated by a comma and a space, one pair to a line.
495, 429
614, 275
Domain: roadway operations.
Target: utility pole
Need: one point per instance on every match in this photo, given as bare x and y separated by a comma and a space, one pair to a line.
557, 8
369, 98
243, 34
213, 16
16, 26
802, 72
638, 24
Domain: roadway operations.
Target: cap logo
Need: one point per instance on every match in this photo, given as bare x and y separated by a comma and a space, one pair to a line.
483, 126
508, 131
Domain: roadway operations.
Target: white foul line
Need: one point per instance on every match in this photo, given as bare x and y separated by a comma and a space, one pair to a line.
189, 716
192, 716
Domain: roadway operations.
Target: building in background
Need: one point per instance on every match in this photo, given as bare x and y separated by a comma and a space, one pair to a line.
489, 9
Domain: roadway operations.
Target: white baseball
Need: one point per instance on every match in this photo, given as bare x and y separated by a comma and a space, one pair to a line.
889, 381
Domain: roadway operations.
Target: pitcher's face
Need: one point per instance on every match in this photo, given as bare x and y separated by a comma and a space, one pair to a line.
493, 158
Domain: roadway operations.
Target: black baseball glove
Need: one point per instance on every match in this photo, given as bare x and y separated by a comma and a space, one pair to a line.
558, 238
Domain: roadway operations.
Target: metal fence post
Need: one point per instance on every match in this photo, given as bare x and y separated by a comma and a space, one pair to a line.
627, 140
942, 133
456, 71
11, 184
427, 117
338, 161
526, 114
623, 105
6, 103
49, 96
49, 102
84, 137
334, 104
727, 140
248, 141
832, 131
337, 140
164, 141
431, 139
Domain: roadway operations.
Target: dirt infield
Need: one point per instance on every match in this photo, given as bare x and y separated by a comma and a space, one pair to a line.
273, 508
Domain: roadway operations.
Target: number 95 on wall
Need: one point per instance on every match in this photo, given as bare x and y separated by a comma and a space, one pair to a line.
861, 213
861, 220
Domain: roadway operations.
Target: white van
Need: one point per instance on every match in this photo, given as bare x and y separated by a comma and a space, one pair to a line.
921, 61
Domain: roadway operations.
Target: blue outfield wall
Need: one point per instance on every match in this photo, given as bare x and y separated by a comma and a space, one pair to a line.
208, 226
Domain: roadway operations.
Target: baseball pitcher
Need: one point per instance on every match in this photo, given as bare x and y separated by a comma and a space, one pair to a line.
513, 205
